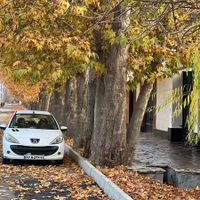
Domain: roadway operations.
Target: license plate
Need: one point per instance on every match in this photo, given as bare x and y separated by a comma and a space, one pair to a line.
34, 157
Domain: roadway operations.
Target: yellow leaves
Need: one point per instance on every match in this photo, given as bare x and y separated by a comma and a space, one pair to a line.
66, 39
91, 2
99, 67
1, 25
110, 36
135, 30
39, 46
61, 7
16, 63
44, 33
63, 3
79, 10
56, 75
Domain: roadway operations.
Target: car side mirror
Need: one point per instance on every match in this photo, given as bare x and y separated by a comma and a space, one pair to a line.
3, 126
63, 128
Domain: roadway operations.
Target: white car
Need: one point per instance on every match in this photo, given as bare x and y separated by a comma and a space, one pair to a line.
33, 135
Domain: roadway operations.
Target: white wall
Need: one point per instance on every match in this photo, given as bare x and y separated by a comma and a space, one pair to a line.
164, 116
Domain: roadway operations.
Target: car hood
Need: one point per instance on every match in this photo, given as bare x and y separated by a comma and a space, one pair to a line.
24, 136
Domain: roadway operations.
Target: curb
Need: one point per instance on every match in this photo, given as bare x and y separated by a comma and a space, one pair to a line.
111, 189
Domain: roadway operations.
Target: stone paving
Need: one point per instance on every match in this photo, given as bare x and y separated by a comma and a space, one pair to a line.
153, 151
172, 163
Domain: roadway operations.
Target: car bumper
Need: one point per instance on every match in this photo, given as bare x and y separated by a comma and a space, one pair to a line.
20, 152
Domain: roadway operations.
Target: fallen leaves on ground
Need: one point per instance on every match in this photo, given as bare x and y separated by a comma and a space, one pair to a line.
142, 188
42, 180
48, 181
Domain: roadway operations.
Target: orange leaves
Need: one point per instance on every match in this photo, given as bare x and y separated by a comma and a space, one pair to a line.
141, 188
50, 181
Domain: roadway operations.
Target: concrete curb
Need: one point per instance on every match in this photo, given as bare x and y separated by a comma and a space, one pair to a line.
111, 189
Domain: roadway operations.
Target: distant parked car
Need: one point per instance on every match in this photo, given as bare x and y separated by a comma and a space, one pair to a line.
33, 135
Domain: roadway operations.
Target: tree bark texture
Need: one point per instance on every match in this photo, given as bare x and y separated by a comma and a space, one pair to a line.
44, 100
134, 127
70, 101
109, 135
57, 102
81, 108
91, 91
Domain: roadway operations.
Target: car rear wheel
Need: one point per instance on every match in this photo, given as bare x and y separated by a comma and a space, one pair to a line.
5, 161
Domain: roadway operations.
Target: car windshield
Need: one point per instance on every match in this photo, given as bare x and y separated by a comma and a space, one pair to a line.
33, 121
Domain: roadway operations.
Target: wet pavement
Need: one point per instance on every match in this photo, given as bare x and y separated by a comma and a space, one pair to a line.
151, 150
5, 193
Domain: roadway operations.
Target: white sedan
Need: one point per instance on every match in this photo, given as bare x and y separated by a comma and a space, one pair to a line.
33, 135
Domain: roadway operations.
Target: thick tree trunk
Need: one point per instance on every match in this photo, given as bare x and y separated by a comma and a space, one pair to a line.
109, 135
57, 102
47, 102
69, 114
81, 108
134, 127
91, 91
44, 100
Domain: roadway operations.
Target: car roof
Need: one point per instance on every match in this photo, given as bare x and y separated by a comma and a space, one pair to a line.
39, 112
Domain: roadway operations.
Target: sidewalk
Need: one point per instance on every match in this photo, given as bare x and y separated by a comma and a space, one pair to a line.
154, 151
172, 163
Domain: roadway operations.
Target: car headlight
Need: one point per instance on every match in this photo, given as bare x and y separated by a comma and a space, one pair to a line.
11, 139
57, 140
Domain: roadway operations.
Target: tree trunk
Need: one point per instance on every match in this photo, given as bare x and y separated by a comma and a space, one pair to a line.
44, 100
57, 102
91, 90
109, 135
33, 106
70, 101
134, 127
81, 108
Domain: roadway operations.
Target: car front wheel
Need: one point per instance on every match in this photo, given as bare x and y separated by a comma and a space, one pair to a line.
5, 161
59, 162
